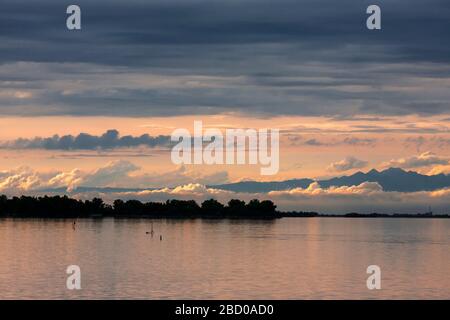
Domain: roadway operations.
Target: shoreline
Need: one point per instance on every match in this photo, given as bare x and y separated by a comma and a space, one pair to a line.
63, 207
248, 218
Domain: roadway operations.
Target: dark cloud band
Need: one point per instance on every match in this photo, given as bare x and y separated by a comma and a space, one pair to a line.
109, 140
300, 57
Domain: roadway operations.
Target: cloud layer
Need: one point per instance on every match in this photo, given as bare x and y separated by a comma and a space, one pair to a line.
84, 141
347, 164
425, 159
160, 57
118, 173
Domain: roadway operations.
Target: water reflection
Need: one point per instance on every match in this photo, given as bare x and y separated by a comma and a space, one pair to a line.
226, 259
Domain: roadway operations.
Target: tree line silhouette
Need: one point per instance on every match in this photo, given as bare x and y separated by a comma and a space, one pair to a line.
65, 207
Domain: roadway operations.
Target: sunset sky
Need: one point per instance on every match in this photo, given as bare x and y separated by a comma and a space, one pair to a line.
345, 98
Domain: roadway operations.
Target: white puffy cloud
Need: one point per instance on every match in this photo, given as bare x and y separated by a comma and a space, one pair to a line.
22, 178
191, 191
119, 173
113, 173
314, 189
70, 179
367, 197
425, 159
347, 164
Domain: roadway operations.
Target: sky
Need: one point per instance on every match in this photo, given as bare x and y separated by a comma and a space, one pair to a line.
96, 107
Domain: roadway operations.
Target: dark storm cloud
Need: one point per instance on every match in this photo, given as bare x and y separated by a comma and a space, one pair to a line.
415, 28
280, 57
109, 140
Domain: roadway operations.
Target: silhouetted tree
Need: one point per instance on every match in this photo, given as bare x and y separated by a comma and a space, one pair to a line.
267, 207
235, 207
212, 208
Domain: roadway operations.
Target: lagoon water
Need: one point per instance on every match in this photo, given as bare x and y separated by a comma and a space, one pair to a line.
290, 258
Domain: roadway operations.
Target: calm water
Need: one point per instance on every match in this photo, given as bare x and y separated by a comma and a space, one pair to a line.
198, 259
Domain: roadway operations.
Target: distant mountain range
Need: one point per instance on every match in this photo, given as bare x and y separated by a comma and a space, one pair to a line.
392, 179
